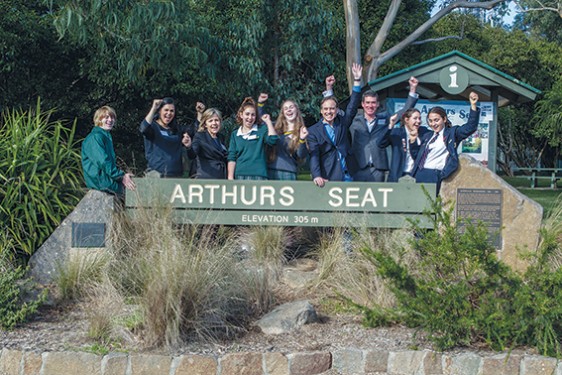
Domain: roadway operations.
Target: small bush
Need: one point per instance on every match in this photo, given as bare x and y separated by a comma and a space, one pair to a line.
13, 310
461, 294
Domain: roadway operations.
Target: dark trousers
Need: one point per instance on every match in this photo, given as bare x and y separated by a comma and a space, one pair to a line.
432, 176
369, 174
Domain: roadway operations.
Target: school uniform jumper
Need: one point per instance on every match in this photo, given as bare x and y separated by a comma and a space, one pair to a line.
248, 151
163, 149
99, 163
285, 161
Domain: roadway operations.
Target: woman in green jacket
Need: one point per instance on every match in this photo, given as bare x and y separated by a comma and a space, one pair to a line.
98, 156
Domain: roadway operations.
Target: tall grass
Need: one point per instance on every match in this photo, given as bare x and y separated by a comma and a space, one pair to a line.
177, 283
344, 271
40, 178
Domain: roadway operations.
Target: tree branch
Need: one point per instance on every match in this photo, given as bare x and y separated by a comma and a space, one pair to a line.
374, 50
376, 59
437, 39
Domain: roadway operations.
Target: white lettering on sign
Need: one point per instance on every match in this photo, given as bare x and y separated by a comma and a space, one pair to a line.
357, 197
266, 195
265, 219
287, 196
453, 69
177, 194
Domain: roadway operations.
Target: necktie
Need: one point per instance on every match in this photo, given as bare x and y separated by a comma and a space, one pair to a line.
332, 135
426, 150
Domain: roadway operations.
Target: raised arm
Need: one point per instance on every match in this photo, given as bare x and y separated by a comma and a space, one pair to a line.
466, 130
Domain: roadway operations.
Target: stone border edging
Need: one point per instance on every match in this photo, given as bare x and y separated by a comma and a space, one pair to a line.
347, 361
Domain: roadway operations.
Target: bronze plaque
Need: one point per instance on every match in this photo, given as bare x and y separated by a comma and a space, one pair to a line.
483, 205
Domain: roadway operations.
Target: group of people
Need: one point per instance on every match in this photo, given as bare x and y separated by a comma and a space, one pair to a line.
342, 145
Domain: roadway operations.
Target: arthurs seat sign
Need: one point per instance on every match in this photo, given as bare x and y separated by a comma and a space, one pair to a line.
286, 203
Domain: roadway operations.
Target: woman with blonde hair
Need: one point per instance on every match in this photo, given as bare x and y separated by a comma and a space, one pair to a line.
284, 157
208, 146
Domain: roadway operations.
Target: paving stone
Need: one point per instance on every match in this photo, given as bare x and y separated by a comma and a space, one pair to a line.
276, 364
241, 364
71, 363
10, 362
376, 361
114, 364
145, 364
501, 364
465, 364
432, 363
537, 365
309, 363
405, 362
349, 361
192, 364
32, 362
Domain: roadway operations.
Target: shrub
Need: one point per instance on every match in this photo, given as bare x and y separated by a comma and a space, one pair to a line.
13, 310
461, 294
40, 178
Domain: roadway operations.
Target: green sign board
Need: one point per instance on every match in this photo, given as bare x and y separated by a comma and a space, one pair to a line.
285, 203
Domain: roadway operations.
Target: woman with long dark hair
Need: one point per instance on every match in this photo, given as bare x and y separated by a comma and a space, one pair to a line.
437, 158
164, 139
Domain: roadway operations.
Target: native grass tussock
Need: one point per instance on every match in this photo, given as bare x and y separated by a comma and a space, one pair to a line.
166, 284
343, 270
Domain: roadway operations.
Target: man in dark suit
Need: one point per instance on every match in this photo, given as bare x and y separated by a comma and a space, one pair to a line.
328, 140
367, 128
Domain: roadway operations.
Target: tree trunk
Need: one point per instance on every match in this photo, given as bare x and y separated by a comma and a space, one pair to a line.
352, 39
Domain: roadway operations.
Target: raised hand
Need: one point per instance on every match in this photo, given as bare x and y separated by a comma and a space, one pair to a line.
200, 107
413, 81
357, 69
267, 119
156, 103
473, 97
330, 81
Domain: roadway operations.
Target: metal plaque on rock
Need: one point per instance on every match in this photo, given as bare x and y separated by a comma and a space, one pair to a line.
88, 234
483, 205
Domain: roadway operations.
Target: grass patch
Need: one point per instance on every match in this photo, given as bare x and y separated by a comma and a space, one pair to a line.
166, 284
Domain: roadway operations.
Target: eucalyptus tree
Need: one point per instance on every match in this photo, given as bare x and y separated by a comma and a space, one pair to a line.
375, 56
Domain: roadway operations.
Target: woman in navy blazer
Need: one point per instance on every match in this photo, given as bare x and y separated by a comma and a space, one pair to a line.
208, 146
437, 157
399, 139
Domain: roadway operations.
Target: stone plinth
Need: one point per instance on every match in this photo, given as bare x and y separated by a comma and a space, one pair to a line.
95, 208
521, 217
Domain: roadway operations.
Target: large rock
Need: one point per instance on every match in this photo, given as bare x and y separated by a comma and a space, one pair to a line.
95, 208
520, 216
287, 317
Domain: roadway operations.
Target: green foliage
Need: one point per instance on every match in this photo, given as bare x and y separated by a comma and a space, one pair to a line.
548, 116
461, 294
40, 178
13, 310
